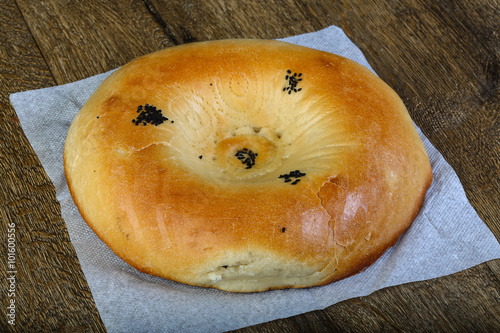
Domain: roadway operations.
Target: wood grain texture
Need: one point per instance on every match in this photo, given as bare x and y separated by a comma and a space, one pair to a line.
442, 57
83, 38
50, 288
191, 20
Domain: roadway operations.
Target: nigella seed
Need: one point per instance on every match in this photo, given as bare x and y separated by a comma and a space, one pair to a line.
149, 114
246, 157
283, 229
293, 174
293, 81
200, 157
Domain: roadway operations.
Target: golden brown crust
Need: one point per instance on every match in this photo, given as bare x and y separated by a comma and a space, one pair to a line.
184, 200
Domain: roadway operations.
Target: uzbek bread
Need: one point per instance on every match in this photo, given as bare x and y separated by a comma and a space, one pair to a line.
246, 165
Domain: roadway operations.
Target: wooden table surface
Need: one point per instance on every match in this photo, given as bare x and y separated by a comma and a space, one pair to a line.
442, 58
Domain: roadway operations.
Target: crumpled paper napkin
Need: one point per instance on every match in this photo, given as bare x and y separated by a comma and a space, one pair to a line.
446, 237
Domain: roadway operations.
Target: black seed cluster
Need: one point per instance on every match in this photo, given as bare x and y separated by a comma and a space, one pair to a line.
293, 174
247, 157
149, 114
293, 81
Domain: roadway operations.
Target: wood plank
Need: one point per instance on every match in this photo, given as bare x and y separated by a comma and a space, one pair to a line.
81, 39
191, 20
50, 288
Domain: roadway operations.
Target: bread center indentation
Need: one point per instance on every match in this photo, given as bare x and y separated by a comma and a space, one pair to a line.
246, 156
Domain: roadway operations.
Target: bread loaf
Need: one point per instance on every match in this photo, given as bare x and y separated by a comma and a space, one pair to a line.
246, 165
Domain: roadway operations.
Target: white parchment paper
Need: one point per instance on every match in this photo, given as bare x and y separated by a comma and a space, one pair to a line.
446, 237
